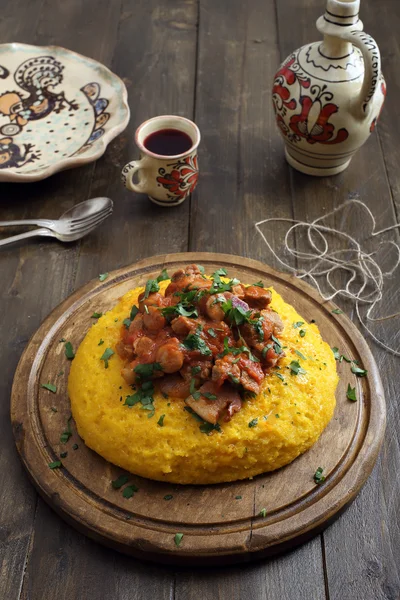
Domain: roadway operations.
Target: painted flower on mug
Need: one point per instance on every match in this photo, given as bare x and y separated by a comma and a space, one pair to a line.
182, 180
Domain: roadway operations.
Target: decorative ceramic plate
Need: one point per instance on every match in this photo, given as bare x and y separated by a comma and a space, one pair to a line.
58, 110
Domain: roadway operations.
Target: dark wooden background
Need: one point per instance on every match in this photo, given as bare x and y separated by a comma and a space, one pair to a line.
211, 60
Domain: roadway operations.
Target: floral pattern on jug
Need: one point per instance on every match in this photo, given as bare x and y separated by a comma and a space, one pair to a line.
328, 95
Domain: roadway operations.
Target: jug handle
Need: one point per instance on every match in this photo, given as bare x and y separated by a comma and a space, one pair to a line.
372, 70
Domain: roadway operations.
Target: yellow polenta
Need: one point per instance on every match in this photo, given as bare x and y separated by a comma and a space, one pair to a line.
290, 414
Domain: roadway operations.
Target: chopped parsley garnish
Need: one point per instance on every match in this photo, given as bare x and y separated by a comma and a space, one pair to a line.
277, 416
163, 276
318, 477
195, 370
298, 324
259, 284
281, 377
295, 368
75, 447
67, 433
49, 386
238, 497
168, 497
259, 328
160, 421
263, 513
219, 286
144, 395
277, 345
351, 393
235, 351
126, 323
120, 481
63, 454
146, 371
357, 371
209, 396
101, 342
235, 314
134, 312
196, 395
60, 373
300, 354
53, 408
253, 422
337, 311
336, 353
62, 340
205, 427
302, 332
69, 351
201, 269
211, 332
170, 312
129, 491
56, 464
96, 315
151, 287
107, 354
265, 350
195, 342
103, 276
178, 539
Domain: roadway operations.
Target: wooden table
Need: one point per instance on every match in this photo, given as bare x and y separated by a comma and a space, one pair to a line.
211, 60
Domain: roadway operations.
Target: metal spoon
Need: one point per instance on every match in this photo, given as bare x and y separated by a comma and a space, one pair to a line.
70, 229
74, 220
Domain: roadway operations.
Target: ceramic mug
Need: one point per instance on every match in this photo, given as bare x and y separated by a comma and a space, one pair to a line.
166, 179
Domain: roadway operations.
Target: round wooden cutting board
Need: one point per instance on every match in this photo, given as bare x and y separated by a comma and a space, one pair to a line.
220, 523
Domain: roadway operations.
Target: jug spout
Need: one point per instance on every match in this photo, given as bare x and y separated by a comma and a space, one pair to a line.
343, 29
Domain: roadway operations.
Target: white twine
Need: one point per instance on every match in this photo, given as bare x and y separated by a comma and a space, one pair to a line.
364, 277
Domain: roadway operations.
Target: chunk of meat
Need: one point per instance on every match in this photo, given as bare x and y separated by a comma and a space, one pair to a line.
272, 322
184, 325
189, 279
143, 345
153, 320
257, 297
170, 356
226, 368
125, 351
200, 369
154, 299
212, 307
211, 411
174, 386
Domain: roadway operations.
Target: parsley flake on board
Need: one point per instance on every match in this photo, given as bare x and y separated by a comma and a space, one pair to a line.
295, 368
49, 386
298, 324
120, 481
67, 433
53, 408
253, 423
103, 276
238, 497
337, 311
96, 315
63, 454
178, 539
318, 477
168, 497
107, 354
357, 371
336, 353
56, 464
351, 393
263, 513
160, 421
69, 351
129, 491
75, 447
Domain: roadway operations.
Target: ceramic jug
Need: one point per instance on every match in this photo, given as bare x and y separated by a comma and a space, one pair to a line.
328, 95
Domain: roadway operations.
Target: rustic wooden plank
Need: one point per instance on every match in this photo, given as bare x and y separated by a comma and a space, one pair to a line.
156, 56
360, 547
278, 579
243, 179
145, 56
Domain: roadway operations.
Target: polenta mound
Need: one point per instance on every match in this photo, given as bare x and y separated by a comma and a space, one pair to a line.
284, 420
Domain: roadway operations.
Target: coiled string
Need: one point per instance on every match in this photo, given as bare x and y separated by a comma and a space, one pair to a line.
363, 274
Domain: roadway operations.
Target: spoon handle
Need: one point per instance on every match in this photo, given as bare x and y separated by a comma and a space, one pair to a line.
24, 236
40, 222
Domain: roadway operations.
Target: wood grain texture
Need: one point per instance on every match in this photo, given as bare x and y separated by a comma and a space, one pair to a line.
366, 532
216, 528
